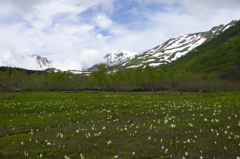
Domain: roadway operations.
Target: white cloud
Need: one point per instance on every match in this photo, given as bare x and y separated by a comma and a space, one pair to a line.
103, 21
202, 6
78, 33
16, 57
53, 28
83, 59
183, 19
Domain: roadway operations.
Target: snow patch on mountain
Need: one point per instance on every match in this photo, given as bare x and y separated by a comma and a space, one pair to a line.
42, 62
120, 56
172, 49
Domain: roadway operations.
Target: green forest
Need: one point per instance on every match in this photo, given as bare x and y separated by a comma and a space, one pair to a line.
213, 66
137, 79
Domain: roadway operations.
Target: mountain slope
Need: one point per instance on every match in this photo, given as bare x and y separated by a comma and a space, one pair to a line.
219, 56
172, 49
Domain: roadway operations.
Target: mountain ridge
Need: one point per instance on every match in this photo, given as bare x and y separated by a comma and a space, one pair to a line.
165, 53
173, 48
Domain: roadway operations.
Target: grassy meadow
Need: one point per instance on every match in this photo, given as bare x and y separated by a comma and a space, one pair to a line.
119, 125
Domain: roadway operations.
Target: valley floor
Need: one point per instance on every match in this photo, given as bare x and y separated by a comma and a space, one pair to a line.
119, 125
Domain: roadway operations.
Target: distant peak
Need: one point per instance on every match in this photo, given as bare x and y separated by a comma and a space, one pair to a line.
42, 62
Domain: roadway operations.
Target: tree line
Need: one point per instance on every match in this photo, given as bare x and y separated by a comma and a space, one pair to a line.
132, 79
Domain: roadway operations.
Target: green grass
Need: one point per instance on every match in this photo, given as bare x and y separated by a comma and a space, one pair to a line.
124, 125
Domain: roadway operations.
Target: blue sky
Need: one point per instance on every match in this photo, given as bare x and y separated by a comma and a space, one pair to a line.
78, 33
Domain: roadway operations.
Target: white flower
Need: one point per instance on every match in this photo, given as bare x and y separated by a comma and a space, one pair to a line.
88, 135
133, 153
236, 137
109, 142
81, 156
103, 127
25, 153
173, 125
165, 121
186, 153
115, 156
149, 138
166, 150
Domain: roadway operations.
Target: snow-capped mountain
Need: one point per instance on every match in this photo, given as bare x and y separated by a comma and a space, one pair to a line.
114, 58
42, 62
172, 49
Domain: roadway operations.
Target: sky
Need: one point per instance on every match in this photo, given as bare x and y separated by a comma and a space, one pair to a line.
76, 34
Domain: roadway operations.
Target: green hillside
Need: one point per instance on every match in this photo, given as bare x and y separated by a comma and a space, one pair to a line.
220, 56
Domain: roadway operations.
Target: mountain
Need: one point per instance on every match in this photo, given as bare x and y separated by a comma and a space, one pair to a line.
114, 58
172, 49
43, 62
167, 52
219, 57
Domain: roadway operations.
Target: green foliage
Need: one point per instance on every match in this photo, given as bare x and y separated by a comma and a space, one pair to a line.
52, 155
100, 77
14, 80
207, 76
120, 125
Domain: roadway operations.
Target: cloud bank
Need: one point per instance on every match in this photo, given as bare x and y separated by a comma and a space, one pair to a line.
76, 34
